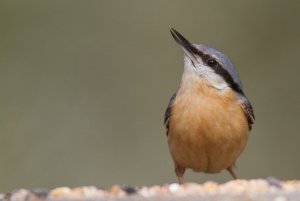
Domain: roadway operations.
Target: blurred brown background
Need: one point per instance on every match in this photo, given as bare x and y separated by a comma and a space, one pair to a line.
84, 86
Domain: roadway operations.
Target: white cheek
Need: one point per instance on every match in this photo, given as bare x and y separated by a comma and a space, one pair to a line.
214, 79
197, 69
218, 82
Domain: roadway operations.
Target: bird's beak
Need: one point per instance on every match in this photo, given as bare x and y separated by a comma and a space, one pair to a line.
187, 47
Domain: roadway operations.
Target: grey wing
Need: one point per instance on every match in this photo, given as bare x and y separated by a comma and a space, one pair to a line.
248, 109
168, 112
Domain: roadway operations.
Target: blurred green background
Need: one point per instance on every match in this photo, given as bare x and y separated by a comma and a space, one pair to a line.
84, 86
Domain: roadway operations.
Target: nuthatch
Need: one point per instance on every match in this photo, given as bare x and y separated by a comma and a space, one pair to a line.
209, 118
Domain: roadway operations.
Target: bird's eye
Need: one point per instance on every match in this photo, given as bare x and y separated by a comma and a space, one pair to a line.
212, 62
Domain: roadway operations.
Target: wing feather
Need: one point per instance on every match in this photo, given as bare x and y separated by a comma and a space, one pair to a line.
168, 112
248, 109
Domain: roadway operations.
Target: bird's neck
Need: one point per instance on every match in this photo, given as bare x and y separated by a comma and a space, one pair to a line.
194, 84
191, 81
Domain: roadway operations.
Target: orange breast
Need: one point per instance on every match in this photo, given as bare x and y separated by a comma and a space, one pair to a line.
208, 128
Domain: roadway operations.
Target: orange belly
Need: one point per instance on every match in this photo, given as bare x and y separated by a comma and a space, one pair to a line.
208, 129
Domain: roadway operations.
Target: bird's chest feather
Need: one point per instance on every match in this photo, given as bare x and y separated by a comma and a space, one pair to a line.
207, 125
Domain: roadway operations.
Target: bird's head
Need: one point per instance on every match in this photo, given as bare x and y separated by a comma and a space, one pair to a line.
205, 62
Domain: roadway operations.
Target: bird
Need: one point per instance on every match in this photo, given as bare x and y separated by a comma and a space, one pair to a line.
209, 117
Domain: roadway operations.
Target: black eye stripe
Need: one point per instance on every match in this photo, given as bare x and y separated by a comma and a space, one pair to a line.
228, 78
209, 60
219, 70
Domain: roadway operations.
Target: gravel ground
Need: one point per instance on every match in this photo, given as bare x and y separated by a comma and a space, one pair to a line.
248, 190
